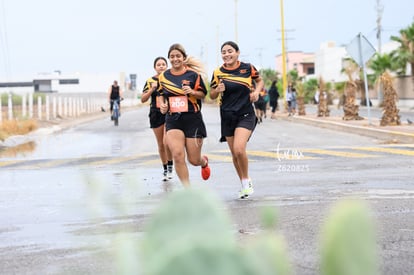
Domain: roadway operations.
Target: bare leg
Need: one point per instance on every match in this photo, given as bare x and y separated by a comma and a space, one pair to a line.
193, 147
237, 145
162, 149
176, 143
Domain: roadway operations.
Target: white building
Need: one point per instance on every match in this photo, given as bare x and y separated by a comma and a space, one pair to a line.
329, 62
58, 82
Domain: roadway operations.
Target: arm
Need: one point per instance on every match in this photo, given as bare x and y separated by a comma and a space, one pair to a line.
147, 94
197, 94
214, 92
254, 96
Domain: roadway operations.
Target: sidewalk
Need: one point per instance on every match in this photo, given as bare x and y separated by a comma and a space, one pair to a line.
54, 126
370, 127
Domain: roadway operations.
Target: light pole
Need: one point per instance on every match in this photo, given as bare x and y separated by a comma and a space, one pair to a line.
235, 22
284, 77
380, 9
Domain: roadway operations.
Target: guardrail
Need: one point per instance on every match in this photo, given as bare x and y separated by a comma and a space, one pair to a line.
49, 107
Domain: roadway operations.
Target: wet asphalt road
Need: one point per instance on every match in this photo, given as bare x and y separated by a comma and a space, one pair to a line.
68, 197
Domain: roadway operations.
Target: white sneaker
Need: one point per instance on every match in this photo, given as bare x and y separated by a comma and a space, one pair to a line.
170, 171
247, 190
169, 175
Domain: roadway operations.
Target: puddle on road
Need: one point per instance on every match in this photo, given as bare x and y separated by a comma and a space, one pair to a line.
46, 207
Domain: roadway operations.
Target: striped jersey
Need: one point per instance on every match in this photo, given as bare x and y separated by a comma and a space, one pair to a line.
170, 85
238, 83
154, 94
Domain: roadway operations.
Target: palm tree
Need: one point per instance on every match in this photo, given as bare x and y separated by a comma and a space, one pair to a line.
390, 114
268, 76
405, 53
300, 89
323, 109
380, 64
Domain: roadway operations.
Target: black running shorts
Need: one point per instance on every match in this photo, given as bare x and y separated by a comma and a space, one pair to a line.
191, 124
156, 118
231, 120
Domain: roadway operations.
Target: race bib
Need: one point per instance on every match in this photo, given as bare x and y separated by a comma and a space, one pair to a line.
178, 104
159, 101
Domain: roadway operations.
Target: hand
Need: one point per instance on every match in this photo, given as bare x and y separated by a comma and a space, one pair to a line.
254, 96
221, 87
187, 89
164, 107
153, 86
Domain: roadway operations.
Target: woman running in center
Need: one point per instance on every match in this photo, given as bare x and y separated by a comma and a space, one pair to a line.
183, 89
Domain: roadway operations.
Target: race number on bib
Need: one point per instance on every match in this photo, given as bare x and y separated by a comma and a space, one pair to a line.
160, 100
178, 104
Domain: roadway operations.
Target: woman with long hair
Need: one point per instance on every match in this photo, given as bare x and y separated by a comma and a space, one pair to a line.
183, 89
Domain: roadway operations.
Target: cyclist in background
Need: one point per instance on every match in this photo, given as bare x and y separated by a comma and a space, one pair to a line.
114, 93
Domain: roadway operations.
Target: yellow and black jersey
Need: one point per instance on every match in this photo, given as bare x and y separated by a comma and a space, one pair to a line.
170, 85
238, 83
154, 95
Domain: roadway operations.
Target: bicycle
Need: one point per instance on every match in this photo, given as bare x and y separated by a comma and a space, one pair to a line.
115, 111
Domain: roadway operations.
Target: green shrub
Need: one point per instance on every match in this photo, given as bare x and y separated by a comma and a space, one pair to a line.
348, 244
16, 99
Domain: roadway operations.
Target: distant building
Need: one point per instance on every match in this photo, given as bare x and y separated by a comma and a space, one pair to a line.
304, 63
329, 60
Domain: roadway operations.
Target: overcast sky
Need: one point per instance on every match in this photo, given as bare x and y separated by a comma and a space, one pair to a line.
108, 36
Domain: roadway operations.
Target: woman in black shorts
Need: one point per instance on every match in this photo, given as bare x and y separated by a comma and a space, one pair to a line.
183, 89
157, 120
232, 82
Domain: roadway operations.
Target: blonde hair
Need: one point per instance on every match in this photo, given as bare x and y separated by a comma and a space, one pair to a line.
189, 61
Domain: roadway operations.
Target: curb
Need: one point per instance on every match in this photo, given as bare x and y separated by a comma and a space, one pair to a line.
382, 134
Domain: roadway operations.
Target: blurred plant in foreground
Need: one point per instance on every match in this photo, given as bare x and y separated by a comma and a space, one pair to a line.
348, 241
191, 234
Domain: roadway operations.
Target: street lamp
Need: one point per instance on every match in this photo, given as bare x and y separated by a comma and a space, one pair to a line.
284, 77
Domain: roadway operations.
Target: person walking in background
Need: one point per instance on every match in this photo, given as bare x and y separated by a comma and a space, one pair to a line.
183, 88
114, 93
316, 96
294, 100
260, 105
291, 100
232, 82
273, 98
156, 118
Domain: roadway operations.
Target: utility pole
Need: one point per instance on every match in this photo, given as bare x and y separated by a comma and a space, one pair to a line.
287, 47
380, 9
284, 76
235, 22
217, 44
260, 57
